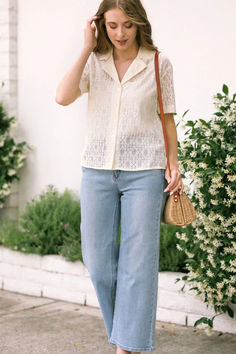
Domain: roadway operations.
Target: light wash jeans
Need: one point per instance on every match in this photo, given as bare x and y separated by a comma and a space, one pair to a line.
125, 278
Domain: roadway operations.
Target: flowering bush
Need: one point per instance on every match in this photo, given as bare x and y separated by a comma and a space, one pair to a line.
208, 159
12, 155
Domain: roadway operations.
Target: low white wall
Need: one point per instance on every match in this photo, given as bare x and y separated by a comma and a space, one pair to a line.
54, 277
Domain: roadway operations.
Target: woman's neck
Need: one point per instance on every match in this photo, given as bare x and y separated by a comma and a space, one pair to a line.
123, 55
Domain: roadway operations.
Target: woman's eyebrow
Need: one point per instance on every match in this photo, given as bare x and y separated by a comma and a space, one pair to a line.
114, 23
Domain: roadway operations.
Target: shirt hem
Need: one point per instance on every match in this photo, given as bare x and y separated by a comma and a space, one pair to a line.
125, 169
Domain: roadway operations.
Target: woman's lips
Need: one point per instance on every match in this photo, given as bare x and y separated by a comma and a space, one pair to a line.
122, 43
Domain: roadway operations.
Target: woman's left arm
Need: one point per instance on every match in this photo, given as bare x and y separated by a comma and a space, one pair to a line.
174, 181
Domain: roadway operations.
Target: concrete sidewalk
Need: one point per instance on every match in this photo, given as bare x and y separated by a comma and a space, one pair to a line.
33, 325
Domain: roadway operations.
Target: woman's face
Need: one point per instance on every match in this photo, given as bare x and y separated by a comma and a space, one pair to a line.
121, 31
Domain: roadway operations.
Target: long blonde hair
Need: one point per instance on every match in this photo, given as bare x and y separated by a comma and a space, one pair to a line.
135, 11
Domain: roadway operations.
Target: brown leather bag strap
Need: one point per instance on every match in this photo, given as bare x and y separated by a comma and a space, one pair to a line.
161, 108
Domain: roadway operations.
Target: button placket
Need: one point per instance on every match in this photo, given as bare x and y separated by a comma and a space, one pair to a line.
115, 125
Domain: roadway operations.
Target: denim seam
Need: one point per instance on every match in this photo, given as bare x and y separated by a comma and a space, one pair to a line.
153, 290
156, 263
113, 238
126, 347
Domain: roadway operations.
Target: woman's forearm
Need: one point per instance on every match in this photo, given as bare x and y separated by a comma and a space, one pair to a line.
68, 89
172, 140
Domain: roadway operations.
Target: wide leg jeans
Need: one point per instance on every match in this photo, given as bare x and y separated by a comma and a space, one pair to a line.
125, 277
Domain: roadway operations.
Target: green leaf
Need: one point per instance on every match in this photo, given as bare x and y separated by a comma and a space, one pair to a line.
204, 123
230, 312
233, 299
210, 323
185, 113
225, 89
189, 260
190, 123
201, 320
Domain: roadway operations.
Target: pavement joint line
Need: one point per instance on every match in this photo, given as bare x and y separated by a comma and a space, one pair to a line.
29, 308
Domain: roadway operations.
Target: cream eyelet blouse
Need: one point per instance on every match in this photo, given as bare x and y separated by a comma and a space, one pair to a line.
123, 125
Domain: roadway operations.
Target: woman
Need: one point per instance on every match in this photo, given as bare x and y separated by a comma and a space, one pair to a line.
123, 165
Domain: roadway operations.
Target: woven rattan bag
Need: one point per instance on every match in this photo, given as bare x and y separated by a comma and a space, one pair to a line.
178, 208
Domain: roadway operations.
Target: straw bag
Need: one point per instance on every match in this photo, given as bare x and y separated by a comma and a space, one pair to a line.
178, 209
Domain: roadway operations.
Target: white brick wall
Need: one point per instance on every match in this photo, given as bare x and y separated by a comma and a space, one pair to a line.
54, 277
8, 75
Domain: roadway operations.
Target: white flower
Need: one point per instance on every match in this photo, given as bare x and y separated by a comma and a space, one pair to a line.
223, 265
11, 172
231, 178
183, 237
14, 124
215, 126
219, 162
211, 260
190, 255
209, 273
229, 160
205, 147
214, 202
230, 291
179, 247
5, 159
229, 191
232, 263
220, 285
213, 190
193, 154
199, 124
202, 165
216, 179
216, 243
21, 157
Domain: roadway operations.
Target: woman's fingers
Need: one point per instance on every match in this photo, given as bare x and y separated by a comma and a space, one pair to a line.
91, 19
90, 40
175, 182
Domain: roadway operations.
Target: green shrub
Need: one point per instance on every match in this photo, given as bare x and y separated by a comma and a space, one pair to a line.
171, 259
49, 225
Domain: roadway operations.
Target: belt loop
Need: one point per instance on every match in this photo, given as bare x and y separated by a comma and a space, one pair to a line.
116, 173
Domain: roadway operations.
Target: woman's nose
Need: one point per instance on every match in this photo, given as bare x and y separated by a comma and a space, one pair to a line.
120, 32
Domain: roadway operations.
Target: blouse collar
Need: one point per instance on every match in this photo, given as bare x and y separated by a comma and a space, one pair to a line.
138, 64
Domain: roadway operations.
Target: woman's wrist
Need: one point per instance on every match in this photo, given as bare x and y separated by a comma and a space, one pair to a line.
87, 50
174, 166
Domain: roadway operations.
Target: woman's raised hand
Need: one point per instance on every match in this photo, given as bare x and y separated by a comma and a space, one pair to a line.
90, 40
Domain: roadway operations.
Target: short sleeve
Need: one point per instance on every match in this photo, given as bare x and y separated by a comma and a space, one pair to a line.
167, 84
84, 81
